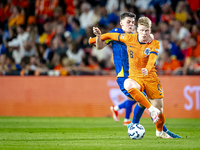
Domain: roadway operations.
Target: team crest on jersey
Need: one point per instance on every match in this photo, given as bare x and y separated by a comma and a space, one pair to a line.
147, 51
122, 36
116, 29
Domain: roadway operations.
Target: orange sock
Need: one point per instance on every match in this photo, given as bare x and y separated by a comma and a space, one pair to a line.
160, 123
139, 97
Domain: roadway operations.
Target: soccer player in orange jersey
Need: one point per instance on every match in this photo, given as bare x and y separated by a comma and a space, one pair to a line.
142, 73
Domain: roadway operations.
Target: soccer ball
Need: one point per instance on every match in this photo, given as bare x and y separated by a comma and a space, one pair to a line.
136, 131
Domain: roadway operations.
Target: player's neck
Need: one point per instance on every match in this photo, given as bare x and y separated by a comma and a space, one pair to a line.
141, 40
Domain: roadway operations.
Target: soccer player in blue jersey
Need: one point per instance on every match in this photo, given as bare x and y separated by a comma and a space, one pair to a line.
120, 57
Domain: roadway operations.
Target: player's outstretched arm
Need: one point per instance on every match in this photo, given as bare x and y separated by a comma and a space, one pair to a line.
112, 36
99, 43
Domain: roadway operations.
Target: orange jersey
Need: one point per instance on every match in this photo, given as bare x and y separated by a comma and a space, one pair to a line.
139, 54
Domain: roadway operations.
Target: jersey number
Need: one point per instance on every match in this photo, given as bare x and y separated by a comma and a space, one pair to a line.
131, 54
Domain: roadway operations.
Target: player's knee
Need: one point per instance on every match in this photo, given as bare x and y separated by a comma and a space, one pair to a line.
161, 109
158, 103
129, 84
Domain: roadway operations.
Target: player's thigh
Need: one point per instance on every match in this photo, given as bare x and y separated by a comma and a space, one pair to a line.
120, 82
131, 83
158, 103
153, 88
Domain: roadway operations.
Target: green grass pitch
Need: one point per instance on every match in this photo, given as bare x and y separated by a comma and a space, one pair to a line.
92, 134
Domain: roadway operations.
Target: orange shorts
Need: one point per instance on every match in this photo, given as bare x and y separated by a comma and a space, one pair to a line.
152, 86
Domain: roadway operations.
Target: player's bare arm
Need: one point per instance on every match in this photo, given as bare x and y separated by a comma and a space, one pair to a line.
99, 43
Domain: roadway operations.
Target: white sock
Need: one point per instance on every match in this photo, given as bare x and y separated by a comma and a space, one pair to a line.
158, 132
126, 119
116, 108
151, 108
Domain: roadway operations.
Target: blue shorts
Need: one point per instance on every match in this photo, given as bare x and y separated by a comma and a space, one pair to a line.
120, 82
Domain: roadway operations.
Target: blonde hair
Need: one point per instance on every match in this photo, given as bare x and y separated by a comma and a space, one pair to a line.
145, 21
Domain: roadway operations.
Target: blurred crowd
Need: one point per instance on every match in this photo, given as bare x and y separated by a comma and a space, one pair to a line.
50, 37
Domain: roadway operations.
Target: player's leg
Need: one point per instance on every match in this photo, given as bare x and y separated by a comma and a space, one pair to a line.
129, 107
134, 90
158, 103
155, 95
138, 111
128, 104
137, 114
160, 124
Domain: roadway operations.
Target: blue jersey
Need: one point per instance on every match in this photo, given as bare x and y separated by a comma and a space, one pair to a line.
120, 55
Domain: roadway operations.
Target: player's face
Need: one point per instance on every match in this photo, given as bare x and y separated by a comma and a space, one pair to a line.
127, 24
144, 32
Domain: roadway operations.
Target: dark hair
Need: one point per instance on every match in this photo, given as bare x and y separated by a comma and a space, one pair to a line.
75, 46
25, 61
42, 61
76, 21
94, 58
1, 41
48, 20
11, 59
165, 34
102, 64
198, 13
22, 26
62, 37
165, 22
44, 46
114, 23
127, 14
167, 51
18, 9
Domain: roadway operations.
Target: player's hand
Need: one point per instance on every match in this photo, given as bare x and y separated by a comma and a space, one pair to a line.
96, 31
145, 71
150, 39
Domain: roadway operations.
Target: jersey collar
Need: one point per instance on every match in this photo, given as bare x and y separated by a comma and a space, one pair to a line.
139, 41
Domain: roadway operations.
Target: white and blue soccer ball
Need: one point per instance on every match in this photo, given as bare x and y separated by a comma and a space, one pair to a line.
136, 131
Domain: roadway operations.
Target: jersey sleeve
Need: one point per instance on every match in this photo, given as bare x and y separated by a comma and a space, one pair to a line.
112, 36
153, 56
115, 30
123, 37
155, 48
